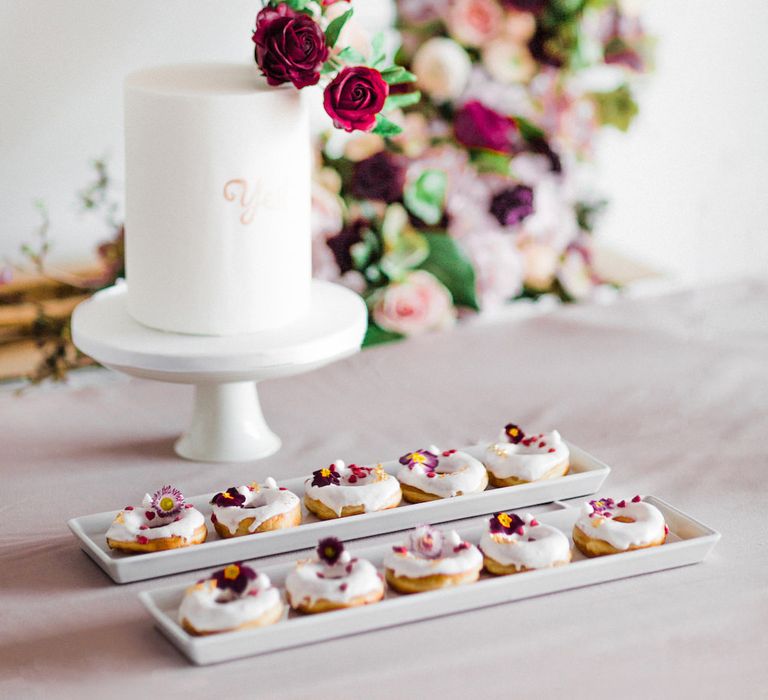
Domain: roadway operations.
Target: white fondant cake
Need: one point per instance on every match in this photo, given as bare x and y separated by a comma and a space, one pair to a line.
217, 200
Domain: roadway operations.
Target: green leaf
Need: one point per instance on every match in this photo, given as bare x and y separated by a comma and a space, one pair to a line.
376, 336
404, 247
386, 128
425, 197
528, 130
453, 268
350, 55
378, 52
491, 162
397, 75
617, 108
402, 99
335, 27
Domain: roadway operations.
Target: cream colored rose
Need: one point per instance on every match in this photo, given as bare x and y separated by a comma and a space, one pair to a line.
442, 68
540, 263
362, 146
418, 304
474, 22
508, 61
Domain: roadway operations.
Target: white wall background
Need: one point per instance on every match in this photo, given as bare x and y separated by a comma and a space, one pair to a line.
689, 185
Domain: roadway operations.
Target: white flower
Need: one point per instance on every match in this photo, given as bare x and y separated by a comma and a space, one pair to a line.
507, 61
498, 267
442, 68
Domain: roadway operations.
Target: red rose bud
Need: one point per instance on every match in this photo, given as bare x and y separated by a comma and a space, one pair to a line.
354, 98
290, 46
478, 126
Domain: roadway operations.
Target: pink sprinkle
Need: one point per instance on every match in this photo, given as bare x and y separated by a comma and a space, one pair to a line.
531, 539
352, 479
177, 518
143, 527
551, 449
214, 519
399, 550
542, 444
188, 505
128, 508
349, 566
607, 514
666, 529
320, 575
255, 591
282, 488
142, 540
460, 547
343, 587
534, 522
636, 499
149, 515
520, 530
622, 504
430, 475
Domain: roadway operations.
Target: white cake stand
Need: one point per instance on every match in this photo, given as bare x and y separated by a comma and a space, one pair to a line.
227, 423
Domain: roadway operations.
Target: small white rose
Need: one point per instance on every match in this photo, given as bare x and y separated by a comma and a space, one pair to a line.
442, 68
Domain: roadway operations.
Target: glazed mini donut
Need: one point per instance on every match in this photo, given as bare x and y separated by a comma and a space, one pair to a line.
338, 491
245, 510
518, 459
333, 581
606, 527
233, 598
428, 475
512, 544
163, 521
431, 560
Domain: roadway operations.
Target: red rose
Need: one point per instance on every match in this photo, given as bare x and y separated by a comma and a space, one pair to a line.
478, 126
355, 97
290, 46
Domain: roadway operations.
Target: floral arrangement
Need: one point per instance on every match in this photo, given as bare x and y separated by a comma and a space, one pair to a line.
479, 199
301, 42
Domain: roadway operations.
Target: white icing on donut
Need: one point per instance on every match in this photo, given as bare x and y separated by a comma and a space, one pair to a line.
341, 583
262, 502
209, 608
374, 491
534, 546
529, 460
132, 523
599, 523
455, 472
444, 555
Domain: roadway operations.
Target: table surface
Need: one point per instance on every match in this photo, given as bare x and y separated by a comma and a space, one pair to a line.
671, 391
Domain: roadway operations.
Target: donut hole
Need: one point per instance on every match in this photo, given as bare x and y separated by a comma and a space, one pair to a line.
623, 519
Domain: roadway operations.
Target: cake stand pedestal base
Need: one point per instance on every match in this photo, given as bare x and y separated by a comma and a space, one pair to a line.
227, 423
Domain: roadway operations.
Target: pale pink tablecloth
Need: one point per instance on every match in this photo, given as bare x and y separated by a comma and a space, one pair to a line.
673, 392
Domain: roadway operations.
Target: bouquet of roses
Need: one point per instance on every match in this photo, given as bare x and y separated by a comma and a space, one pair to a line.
298, 41
477, 201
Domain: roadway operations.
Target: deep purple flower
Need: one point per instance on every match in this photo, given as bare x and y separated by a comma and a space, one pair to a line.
329, 550
420, 458
514, 433
506, 523
547, 48
234, 577
512, 205
326, 476
290, 46
229, 498
602, 505
478, 126
380, 177
341, 244
168, 501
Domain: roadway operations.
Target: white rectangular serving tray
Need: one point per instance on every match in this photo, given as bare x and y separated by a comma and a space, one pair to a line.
586, 476
688, 542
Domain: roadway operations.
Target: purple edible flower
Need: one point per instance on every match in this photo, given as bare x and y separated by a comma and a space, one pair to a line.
229, 498
514, 433
426, 541
168, 501
603, 505
423, 458
506, 523
329, 549
234, 577
326, 476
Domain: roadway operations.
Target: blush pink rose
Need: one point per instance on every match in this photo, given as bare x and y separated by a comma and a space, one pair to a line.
474, 22
418, 304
